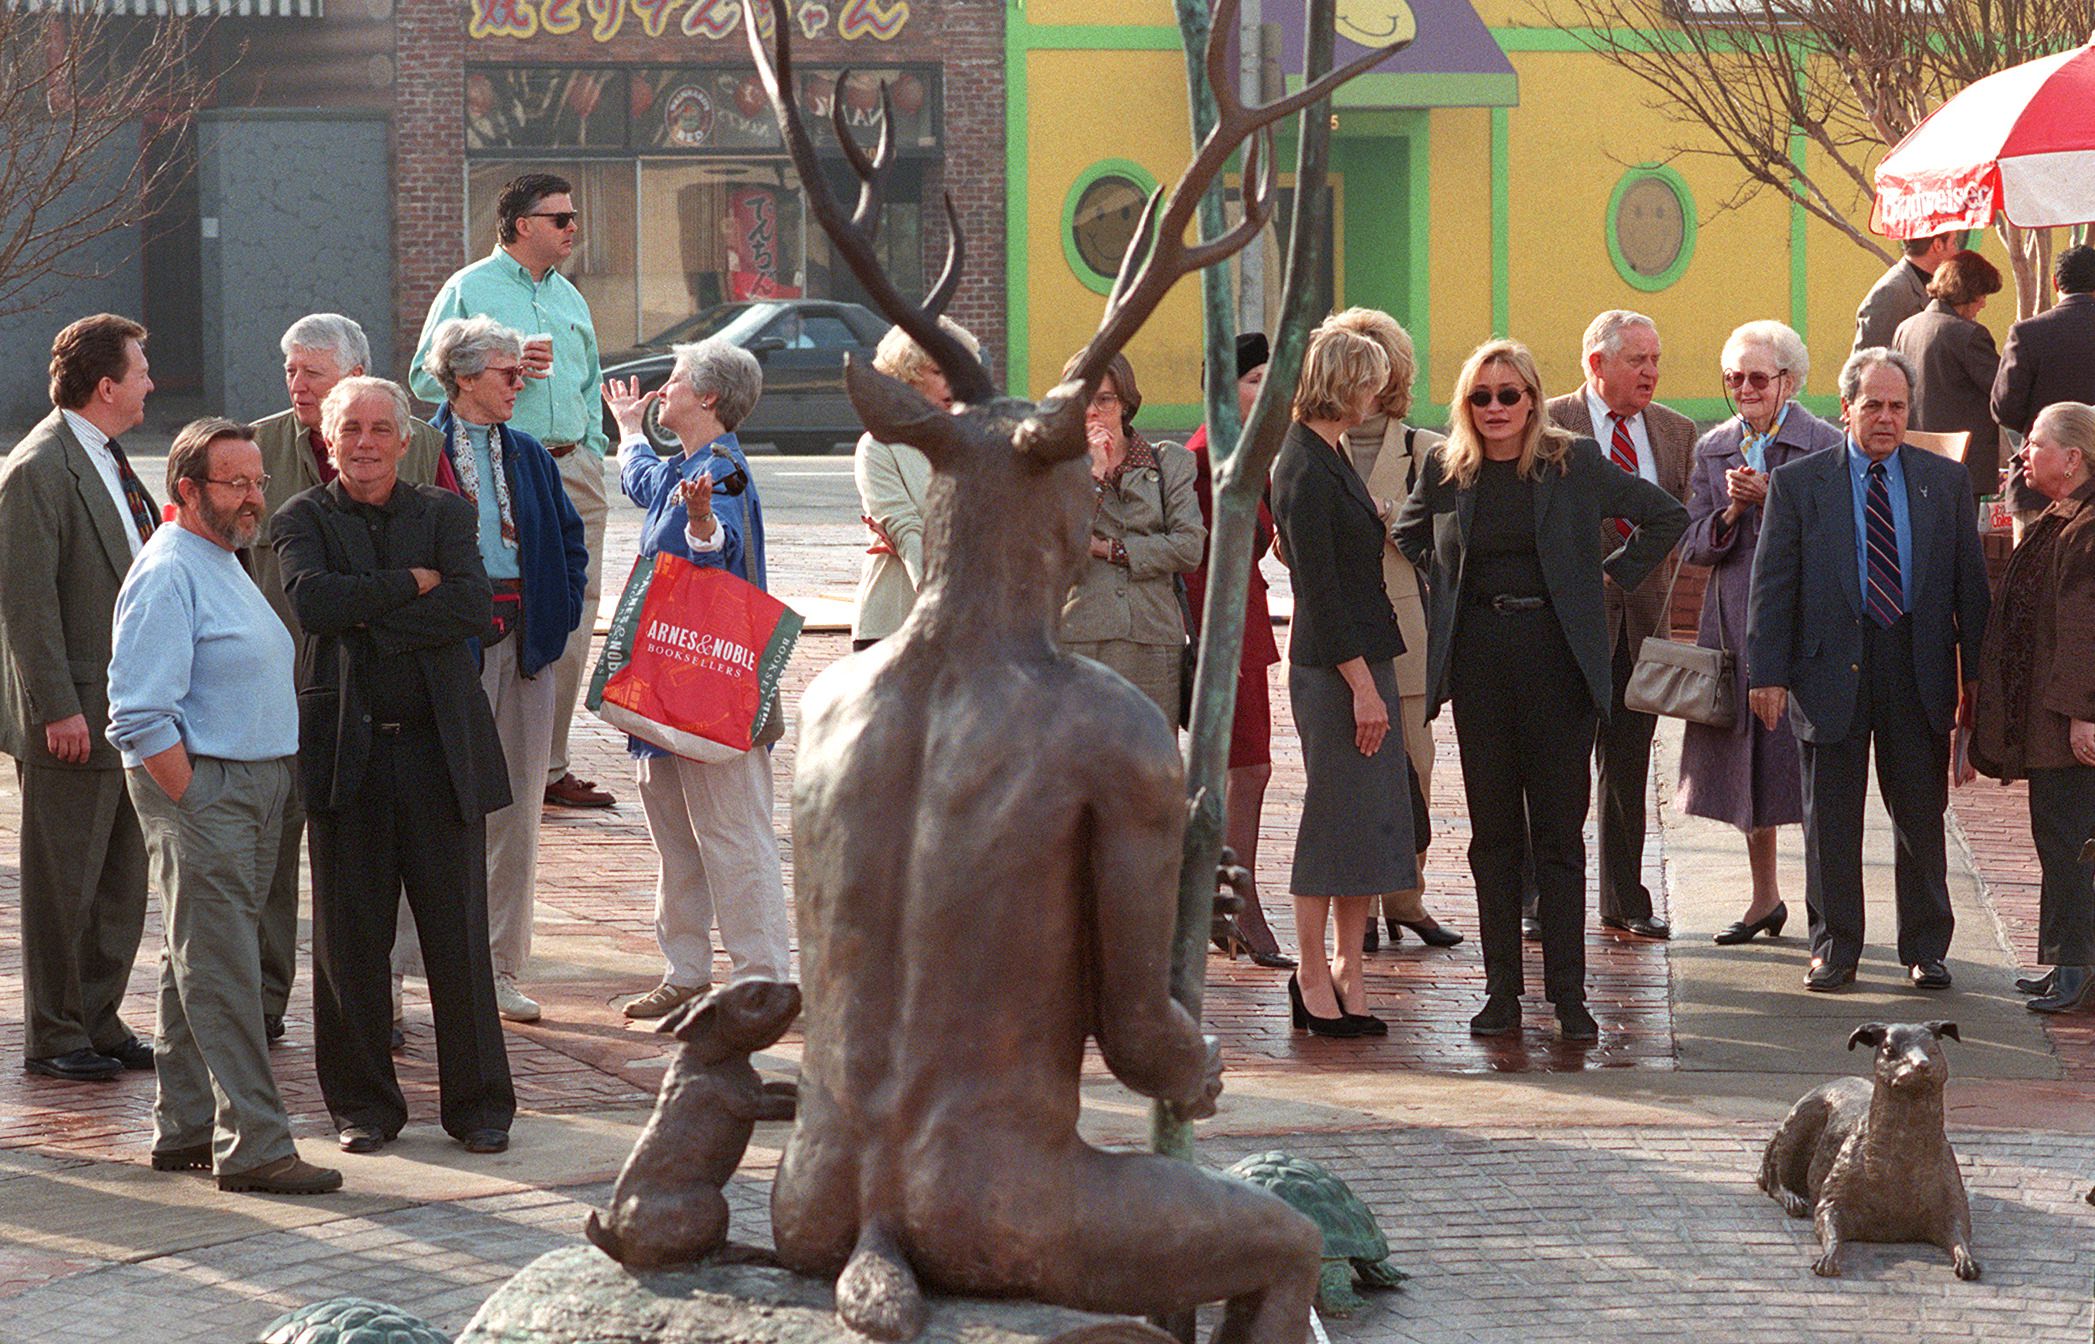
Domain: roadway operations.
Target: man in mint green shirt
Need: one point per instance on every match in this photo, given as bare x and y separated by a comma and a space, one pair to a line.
520, 286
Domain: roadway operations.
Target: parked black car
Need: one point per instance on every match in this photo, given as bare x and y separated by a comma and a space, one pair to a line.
801, 344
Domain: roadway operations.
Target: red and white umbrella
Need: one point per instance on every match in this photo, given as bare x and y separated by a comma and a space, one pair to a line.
2021, 142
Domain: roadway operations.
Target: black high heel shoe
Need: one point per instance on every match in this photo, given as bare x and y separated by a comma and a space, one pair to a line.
1742, 932
1368, 1024
1305, 1020
1429, 930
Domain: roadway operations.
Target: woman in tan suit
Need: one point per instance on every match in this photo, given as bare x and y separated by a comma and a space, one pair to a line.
1124, 609
892, 479
1389, 455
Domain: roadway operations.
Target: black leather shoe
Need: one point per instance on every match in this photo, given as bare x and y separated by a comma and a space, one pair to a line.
1501, 1017
130, 1052
1368, 1023
1824, 977
273, 1026
2069, 993
1742, 932
1575, 1025
362, 1139
1929, 975
77, 1066
2039, 985
1644, 926
1429, 930
196, 1157
1371, 939
1531, 928
487, 1141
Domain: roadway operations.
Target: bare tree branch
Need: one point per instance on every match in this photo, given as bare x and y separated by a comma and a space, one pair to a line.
83, 96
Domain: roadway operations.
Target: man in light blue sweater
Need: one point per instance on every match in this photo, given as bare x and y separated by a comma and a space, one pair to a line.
203, 708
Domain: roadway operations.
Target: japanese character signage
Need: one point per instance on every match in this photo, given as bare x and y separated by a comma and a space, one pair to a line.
720, 20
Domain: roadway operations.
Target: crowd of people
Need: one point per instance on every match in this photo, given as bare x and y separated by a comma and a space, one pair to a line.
366, 632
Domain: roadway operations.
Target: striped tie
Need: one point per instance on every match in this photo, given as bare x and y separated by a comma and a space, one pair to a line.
1623, 454
1886, 600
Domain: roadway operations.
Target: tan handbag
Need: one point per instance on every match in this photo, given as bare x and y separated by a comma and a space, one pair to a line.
1683, 681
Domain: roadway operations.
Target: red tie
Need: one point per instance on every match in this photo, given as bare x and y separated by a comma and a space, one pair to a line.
1624, 455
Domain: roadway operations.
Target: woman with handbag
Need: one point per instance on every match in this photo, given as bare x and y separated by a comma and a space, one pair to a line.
1353, 845
1746, 774
1506, 513
1389, 455
1127, 609
710, 821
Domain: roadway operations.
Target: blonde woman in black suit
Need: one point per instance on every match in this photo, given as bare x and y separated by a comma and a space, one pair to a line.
1506, 514
1354, 844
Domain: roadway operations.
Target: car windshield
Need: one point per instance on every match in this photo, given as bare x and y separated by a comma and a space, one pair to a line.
731, 321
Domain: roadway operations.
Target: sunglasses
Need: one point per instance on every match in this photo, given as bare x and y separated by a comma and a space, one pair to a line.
1506, 396
511, 374
561, 218
1734, 380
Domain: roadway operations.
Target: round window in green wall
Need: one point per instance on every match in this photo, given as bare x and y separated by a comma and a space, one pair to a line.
1651, 226
1099, 217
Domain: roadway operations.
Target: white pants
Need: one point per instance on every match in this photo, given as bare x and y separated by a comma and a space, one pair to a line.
524, 712
711, 826
582, 472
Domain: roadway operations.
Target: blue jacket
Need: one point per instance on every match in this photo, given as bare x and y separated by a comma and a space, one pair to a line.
650, 480
551, 553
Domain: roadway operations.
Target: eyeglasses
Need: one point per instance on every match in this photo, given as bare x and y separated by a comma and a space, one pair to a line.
562, 219
1505, 396
243, 484
1733, 379
512, 374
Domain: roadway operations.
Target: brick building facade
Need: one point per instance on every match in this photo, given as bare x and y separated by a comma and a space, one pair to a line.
651, 107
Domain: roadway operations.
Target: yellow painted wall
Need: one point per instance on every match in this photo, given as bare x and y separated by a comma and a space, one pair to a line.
1151, 129
1459, 295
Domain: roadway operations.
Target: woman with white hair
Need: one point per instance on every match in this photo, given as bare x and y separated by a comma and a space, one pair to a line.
1747, 774
892, 480
532, 548
711, 822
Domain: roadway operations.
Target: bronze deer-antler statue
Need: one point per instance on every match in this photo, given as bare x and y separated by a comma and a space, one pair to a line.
987, 841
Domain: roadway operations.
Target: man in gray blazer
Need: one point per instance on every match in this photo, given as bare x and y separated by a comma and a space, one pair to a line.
1615, 408
1902, 290
72, 516
1869, 589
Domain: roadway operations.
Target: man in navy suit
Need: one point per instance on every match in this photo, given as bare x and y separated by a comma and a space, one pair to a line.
1869, 588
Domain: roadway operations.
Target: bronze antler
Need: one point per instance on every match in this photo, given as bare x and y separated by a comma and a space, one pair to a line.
1158, 257
853, 236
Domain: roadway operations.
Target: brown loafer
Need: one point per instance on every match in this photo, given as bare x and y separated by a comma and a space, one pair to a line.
662, 1000
291, 1175
567, 791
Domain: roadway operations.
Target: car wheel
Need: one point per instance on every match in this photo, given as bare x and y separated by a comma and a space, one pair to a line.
665, 441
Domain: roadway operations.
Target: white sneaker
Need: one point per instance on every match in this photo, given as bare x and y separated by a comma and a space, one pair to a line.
512, 1002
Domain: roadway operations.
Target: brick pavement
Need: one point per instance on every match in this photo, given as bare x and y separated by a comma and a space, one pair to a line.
1598, 1242
1513, 1234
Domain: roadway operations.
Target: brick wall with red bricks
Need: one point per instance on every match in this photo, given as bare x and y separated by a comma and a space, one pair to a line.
433, 48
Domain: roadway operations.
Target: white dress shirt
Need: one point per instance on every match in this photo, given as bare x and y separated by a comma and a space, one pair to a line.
97, 445
1604, 431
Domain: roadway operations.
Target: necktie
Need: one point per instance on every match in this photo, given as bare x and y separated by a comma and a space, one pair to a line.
1886, 599
321, 462
1623, 454
134, 493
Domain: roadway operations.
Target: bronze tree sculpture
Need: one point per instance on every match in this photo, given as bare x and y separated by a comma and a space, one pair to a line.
987, 839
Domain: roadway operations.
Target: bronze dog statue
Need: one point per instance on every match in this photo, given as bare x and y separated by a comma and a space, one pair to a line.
1868, 1160
667, 1208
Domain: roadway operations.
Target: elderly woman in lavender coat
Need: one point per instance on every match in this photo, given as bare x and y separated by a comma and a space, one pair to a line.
1746, 774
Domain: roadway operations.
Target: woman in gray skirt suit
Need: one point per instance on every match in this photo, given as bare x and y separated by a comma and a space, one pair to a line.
1747, 774
1354, 844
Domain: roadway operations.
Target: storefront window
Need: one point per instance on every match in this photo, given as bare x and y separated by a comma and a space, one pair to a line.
1099, 219
716, 232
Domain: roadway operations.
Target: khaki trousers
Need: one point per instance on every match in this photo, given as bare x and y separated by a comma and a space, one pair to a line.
1152, 667
711, 825
582, 472
212, 855
280, 911
1418, 742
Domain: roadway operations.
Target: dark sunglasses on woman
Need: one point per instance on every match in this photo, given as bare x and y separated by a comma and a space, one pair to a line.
1507, 396
1756, 380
